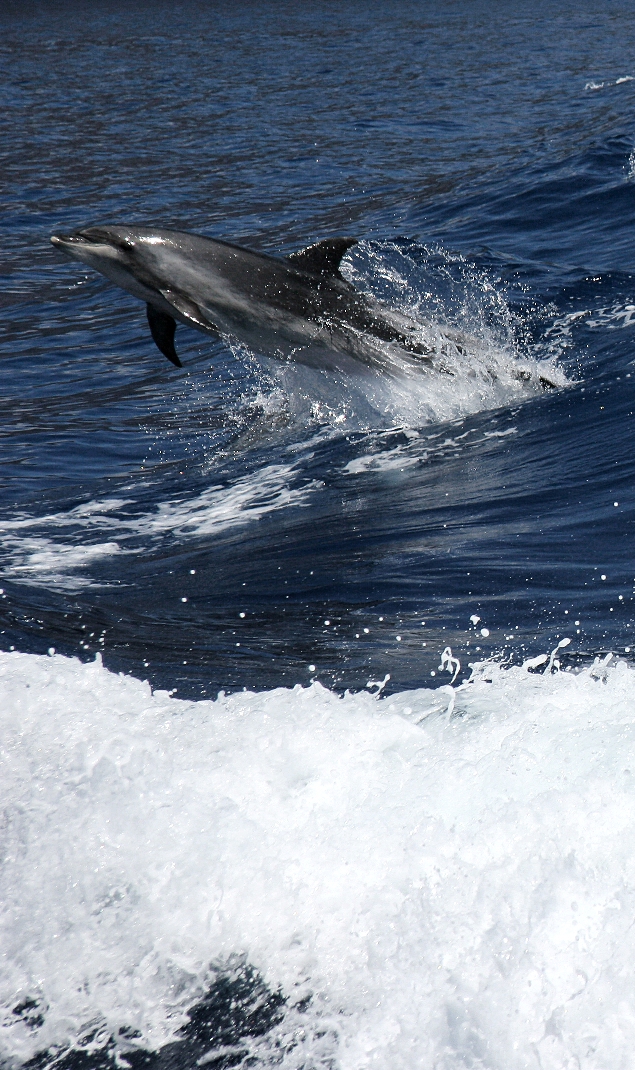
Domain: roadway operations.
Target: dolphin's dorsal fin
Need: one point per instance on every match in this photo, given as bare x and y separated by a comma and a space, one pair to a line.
162, 328
324, 257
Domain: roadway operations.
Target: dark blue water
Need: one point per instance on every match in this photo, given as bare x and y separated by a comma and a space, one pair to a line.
472, 132
244, 524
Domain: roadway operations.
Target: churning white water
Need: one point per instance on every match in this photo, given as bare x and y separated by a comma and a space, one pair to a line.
449, 875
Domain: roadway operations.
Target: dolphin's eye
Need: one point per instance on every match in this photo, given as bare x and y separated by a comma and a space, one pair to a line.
104, 236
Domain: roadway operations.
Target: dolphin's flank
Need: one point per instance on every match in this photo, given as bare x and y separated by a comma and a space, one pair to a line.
295, 308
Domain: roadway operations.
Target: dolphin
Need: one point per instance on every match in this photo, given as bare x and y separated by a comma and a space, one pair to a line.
297, 308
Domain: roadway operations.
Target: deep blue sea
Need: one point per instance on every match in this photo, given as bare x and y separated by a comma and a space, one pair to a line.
403, 834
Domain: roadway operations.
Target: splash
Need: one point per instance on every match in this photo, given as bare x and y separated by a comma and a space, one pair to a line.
453, 311
423, 885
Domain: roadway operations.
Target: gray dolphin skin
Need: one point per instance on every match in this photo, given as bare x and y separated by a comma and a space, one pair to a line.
295, 308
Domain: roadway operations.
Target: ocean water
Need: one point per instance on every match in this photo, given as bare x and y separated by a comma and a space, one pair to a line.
318, 691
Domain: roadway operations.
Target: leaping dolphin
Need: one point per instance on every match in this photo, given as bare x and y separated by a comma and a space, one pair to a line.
298, 308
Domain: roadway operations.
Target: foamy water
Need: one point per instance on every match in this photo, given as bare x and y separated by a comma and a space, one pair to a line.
33, 558
431, 879
446, 876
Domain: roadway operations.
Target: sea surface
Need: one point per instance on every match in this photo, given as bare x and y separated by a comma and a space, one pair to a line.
317, 691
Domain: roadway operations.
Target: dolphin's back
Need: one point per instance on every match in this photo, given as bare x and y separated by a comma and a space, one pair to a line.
236, 288
299, 307
295, 284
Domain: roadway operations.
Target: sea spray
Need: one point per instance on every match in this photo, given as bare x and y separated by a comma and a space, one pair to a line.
423, 888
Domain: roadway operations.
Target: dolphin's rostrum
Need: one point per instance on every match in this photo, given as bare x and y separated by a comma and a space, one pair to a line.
298, 308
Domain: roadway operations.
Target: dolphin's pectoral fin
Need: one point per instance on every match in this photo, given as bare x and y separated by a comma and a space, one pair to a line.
189, 310
162, 328
324, 257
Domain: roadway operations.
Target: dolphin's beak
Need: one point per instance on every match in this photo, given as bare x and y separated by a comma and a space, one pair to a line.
102, 237
68, 243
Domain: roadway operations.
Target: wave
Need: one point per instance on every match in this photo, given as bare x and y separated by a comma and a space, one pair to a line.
427, 879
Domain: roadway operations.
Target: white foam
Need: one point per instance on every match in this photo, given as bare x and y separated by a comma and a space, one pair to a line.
55, 564
453, 890
614, 317
396, 459
618, 81
29, 557
419, 449
58, 565
93, 512
219, 508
